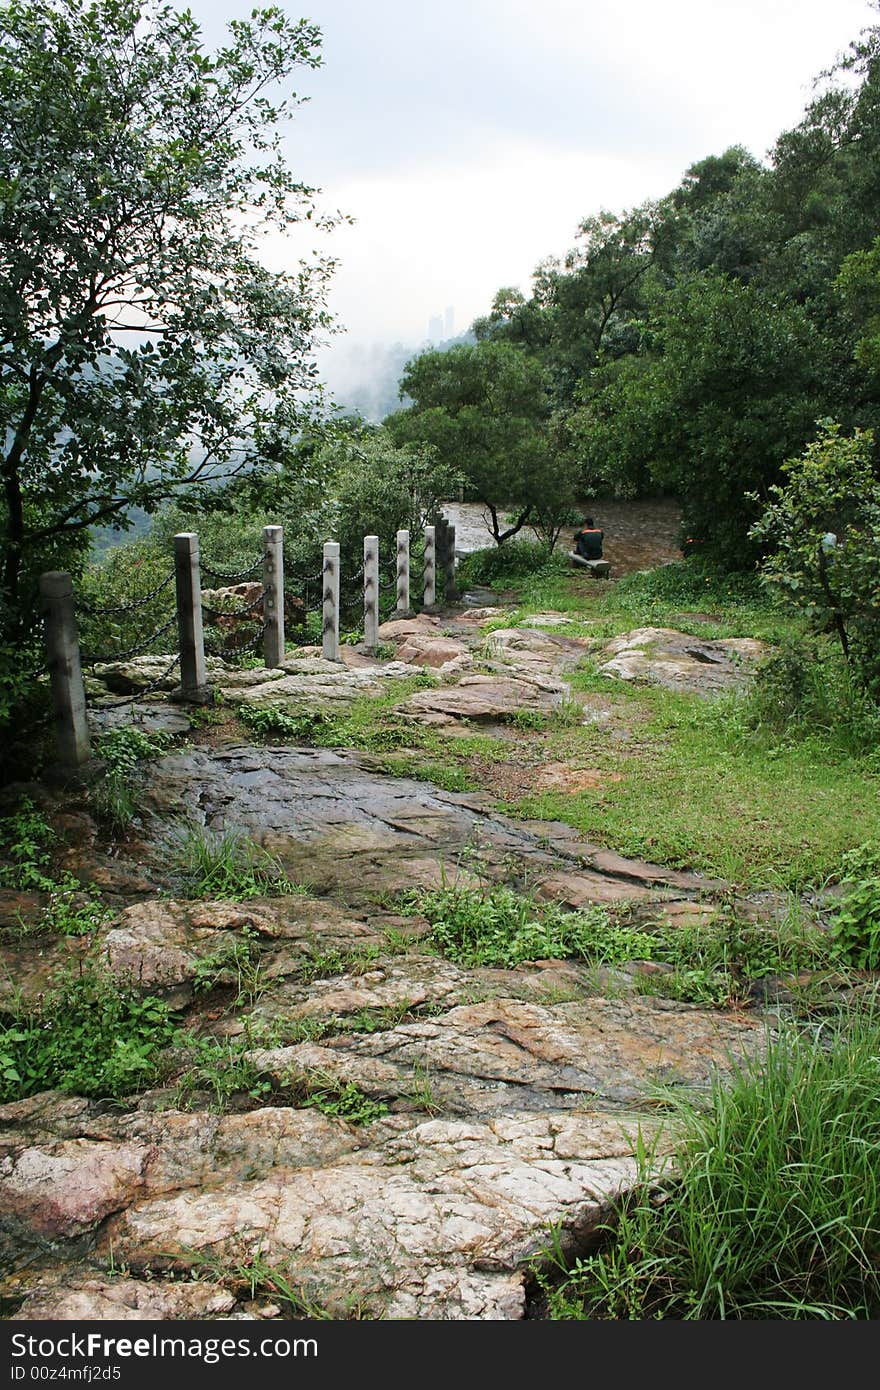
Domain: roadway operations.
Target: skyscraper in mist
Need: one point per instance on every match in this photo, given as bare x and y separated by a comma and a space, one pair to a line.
435, 328
450, 321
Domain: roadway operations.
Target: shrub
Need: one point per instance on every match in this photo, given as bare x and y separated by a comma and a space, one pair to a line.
855, 929
508, 564
92, 1035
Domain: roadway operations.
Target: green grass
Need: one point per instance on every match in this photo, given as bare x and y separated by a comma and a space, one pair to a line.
773, 1206
226, 864
713, 962
702, 790
737, 605
497, 927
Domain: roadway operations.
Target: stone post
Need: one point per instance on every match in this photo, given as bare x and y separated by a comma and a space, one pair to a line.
193, 673
273, 596
330, 589
403, 574
65, 670
430, 570
371, 594
450, 589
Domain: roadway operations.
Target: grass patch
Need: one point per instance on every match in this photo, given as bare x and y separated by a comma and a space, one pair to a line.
774, 1211
495, 926
227, 864
713, 962
703, 790
92, 1035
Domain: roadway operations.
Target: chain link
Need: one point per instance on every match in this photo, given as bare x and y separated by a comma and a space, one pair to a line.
223, 652
234, 612
226, 578
147, 690
132, 651
93, 612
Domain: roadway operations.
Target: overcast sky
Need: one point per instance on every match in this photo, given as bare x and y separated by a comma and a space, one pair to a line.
468, 138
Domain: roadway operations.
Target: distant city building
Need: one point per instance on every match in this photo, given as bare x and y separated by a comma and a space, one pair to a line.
435, 328
450, 321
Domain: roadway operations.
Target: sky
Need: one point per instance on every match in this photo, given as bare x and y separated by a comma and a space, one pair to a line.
468, 138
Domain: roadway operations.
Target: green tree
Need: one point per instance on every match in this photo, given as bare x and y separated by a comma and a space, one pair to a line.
485, 409
859, 284
145, 351
727, 385
822, 526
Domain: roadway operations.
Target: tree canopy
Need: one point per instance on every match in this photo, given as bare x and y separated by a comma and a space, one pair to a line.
692, 343
144, 347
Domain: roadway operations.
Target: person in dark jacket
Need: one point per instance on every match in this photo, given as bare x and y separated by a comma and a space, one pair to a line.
588, 541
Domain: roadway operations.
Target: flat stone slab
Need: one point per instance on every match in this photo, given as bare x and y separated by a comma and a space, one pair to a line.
339, 825
417, 1215
486, 699
673, 659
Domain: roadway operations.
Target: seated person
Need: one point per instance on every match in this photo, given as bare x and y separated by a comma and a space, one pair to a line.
588, 541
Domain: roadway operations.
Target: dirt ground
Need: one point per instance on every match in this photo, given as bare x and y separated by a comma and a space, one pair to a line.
638, 535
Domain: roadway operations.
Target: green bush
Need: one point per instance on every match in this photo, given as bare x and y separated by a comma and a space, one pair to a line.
855, 929
93, 1036
805, 688
508, 564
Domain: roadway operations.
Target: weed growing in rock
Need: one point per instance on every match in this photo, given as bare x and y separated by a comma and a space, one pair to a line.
238, 965
227, 864
26, 843
495, 926
92, 1035
123, 752
345, 1100
219, 1067
255, 1277
323, 964
774, 1210
855, 929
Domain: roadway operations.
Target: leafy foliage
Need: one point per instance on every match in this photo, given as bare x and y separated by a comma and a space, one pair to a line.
91, 1036
831, 491
147, 351
855, 929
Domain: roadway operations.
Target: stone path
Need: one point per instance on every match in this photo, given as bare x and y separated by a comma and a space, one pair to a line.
506, 1100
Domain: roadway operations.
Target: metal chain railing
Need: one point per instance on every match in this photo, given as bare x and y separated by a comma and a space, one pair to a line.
215, 613
115, 609
137, 650
228, 578
147, 689
238, 649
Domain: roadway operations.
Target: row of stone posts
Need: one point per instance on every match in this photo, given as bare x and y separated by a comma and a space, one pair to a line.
438, 547
62, 638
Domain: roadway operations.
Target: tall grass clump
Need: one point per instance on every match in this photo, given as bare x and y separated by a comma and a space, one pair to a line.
226, 864
774, 1211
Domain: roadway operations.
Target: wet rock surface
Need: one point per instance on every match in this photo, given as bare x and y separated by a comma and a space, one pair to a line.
504, 1100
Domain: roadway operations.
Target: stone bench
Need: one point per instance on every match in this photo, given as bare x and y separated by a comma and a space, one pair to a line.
599, 569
